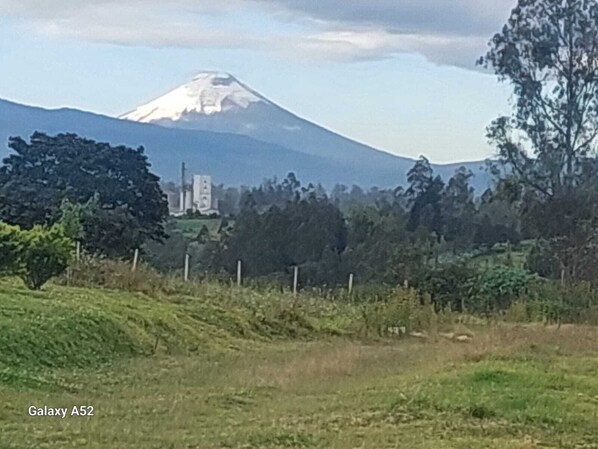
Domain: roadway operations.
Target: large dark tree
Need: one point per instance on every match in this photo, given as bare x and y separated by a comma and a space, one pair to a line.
499, 216
548, 52
42, 173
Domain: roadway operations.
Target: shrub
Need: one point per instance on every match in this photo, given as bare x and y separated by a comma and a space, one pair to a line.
498, 287
404, 309
99, 271
448, 285
10, 248
45, 253
570, 303
70, 218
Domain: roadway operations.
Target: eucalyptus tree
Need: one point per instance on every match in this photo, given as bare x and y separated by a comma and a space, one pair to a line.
548, 52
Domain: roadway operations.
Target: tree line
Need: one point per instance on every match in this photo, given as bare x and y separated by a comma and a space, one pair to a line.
382, 241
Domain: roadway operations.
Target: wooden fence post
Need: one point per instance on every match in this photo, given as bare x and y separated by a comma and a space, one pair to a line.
239, 273
351, 277
78, 252
186, 267
135, 260
295, 279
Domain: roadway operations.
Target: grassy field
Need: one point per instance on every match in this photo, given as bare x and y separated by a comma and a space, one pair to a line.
219, 376
190, 227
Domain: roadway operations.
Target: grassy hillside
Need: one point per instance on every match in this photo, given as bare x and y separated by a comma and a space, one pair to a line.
520, 388
62, 327
232, 368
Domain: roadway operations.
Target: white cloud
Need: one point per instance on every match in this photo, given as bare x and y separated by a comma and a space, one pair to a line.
150, 33
359, 45
343, 46
152, 23
452, 32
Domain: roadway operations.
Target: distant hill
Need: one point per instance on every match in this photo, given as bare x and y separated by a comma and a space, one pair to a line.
232, 159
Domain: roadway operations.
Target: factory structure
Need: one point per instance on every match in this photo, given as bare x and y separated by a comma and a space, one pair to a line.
197, 195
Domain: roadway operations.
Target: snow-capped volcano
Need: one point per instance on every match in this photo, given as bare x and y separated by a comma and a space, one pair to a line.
218, 102
207, 93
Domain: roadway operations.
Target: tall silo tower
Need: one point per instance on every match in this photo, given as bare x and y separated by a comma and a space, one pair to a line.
202, 193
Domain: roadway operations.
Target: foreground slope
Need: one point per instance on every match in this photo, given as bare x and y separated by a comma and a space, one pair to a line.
228, 376
61, 327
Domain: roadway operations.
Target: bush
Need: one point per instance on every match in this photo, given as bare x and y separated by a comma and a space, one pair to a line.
462, 288
570, 303
404, 311
99, 271
10, 248
498, 287
34, 255
46, 253
448, 285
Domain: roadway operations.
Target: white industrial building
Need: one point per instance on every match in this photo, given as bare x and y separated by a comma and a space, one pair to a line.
198, 196
202, 194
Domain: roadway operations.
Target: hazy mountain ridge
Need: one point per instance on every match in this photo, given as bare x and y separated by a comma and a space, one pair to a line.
242, 139
232, 159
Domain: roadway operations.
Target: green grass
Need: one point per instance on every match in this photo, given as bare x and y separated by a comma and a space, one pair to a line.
501, 255
190, 227
550, 400
235, 369
61, 327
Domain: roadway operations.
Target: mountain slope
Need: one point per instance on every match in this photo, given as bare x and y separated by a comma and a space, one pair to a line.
214, 101
230, 158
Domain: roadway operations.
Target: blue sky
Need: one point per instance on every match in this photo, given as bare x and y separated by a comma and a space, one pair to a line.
396, 74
